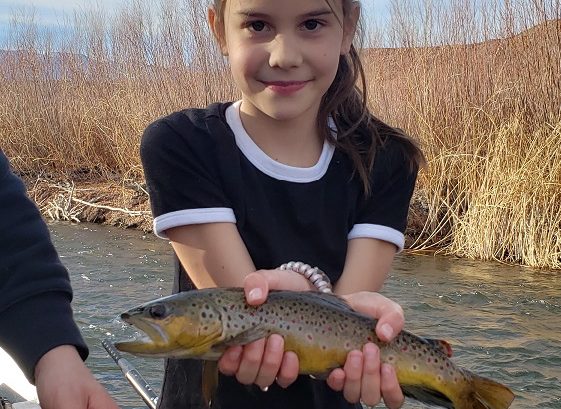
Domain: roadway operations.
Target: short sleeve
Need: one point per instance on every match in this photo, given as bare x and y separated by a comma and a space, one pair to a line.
383, 214
183, 182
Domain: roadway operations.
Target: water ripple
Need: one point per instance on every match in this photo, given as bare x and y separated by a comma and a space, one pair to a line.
502, 322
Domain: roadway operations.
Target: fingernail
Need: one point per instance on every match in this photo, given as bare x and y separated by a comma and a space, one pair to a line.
356, 361
275, 343
234, 353
255, 294
370, 350
387, 369
387, 331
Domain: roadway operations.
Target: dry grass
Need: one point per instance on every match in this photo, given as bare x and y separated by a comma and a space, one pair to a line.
478, 86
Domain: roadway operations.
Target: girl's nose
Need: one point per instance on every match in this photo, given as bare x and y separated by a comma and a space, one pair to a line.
285, 53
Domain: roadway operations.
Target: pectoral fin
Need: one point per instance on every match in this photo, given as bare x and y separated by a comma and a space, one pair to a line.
209, 381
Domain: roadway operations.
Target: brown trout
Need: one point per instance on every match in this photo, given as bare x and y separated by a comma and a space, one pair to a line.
320, 328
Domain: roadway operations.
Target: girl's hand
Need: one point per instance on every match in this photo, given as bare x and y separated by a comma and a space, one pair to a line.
363, 378
264, 361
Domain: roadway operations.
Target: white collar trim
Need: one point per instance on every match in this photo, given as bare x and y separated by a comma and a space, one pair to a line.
268, 165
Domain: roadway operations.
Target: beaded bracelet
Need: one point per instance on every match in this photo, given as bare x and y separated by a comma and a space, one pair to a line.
317, 277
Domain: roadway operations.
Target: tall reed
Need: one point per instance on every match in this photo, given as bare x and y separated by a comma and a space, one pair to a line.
477, 82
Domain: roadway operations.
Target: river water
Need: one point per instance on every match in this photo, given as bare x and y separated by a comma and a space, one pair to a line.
503, 322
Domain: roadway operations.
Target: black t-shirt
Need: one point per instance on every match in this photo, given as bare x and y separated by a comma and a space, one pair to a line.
202, 167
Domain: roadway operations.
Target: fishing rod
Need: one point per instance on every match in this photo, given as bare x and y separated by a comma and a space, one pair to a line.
133, 376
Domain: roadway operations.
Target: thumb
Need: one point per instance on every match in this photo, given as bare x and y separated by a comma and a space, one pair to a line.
389, 314
256, 288
391, 322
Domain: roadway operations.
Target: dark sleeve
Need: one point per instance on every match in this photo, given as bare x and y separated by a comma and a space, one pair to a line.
179, 162
35, 310
383, 215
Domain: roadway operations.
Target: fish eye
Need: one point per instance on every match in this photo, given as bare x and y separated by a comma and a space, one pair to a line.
157, 311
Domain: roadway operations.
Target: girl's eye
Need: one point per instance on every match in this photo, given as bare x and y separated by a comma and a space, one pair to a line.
312, 25
257, 26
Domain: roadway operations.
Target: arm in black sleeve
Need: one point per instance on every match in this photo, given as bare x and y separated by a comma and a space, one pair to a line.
35, 311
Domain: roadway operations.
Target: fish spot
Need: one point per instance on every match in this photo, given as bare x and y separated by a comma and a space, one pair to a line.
391, 358
415, 367
203, 314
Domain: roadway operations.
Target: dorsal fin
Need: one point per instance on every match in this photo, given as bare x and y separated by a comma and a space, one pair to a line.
441, 345
316, 296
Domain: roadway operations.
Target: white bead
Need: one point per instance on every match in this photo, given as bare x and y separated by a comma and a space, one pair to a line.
303, 268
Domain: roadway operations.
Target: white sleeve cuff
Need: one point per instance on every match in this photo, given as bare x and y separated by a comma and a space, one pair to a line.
192, 216
377, 231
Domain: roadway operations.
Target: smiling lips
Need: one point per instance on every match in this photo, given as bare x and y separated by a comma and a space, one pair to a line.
285, 87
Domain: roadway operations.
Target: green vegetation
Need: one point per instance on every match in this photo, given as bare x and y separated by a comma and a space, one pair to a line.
479, 87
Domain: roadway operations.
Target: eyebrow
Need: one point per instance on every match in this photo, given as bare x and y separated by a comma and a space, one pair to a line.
255, 14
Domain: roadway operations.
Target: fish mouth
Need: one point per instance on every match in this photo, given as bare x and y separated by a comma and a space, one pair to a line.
156, 340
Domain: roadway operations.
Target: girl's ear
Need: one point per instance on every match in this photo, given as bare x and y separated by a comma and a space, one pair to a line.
217, 29
350, 23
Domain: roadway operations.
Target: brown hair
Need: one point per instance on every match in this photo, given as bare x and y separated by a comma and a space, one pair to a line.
359, 133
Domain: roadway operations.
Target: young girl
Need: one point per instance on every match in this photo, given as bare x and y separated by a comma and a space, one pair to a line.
298, 169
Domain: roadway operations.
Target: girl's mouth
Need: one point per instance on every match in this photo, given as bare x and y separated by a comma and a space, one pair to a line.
285, 87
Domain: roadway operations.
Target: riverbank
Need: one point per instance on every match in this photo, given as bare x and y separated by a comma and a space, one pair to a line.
126, 204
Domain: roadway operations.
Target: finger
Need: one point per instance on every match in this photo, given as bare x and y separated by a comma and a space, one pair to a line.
353, 375
336, 379
370, 384
258, 284
391, 391
390, 323
289, 369
388, 313
229, 362
272, 359
256, 288
250, 362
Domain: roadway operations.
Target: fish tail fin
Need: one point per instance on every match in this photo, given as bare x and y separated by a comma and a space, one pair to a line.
209, 381
488, 394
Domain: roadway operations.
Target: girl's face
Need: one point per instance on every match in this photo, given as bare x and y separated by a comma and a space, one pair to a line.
284, 54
